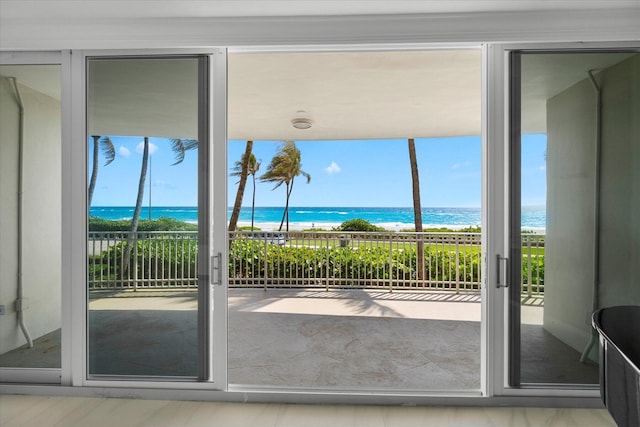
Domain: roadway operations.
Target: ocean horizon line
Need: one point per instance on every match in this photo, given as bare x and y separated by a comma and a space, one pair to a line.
296, 207
330, 216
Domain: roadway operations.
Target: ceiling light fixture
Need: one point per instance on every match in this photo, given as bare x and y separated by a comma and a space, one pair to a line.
301, 123
301, 120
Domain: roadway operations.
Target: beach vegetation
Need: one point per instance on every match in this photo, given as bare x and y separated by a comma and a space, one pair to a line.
358, 224
248, 228
356, 267
123, 225
471, 229
285, 166
172, 261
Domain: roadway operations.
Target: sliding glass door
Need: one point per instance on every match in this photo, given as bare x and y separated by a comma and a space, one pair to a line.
30, 229
575, 199
148, 173
340, 279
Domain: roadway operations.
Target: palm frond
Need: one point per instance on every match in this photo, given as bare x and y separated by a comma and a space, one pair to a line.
181, 146
108, 149
284, 166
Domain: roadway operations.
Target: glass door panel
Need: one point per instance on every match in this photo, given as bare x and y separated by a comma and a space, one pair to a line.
574, 163
30, 229
145, 285
316, 301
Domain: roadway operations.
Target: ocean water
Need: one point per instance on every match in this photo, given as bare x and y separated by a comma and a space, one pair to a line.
533, 218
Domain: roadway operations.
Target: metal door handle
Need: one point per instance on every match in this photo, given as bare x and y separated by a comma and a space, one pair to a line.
499, 260
216, 269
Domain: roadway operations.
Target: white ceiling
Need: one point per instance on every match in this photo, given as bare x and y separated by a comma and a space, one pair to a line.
346, 95
110, 9
355, 95
385, 94
134, 97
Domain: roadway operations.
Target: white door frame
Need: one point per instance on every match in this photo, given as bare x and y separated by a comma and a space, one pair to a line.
500, 199
48, 375
212, 128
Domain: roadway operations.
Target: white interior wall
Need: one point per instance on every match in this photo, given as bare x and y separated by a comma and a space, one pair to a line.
570, 213
9, 332
570, 201
620, 196
41, 214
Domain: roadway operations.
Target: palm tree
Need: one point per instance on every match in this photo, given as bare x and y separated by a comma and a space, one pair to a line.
179, 147
108, 150
131, 238
252, 167
417, 209
283, 169
242, 173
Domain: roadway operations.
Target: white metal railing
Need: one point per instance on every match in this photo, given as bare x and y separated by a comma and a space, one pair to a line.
355, 260
158, 259
380, 260
532, 264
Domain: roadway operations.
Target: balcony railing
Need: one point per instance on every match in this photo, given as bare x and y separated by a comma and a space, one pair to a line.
329, 260
158, 259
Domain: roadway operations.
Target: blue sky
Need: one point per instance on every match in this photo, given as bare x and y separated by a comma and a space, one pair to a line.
343, 173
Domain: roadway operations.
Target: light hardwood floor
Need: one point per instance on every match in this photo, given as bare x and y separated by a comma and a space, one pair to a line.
41, 411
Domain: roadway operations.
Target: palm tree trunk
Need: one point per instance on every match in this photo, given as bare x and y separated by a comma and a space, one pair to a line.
286, 208
94, 169
289, 191
417, 209
253, 200
131, 239
233, 221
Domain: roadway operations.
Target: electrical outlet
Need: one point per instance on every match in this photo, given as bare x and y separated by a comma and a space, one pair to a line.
1, 309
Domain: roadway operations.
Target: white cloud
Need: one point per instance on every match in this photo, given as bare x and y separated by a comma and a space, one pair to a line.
124, 151
332, 168
542, 168
461, 165
164, 184
152, 148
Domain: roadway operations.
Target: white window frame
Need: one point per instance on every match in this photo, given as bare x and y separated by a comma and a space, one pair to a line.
75, 252
495, 203
498, 175
48, 375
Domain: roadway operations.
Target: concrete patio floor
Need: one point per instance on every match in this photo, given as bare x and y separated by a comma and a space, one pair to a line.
343, 339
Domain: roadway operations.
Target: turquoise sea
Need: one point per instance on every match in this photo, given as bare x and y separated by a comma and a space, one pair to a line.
533, 218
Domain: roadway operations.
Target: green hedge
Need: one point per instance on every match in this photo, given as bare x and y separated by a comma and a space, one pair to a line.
355, 266
160, 224
358, 224
155, 259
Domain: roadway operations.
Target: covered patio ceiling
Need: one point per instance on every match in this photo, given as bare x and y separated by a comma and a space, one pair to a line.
343, 95
355, 95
